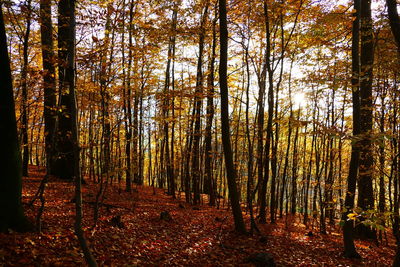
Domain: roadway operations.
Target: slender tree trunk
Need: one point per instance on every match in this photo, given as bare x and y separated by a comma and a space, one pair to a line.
166, 103
331, 157
128, 104
188, 155
267, 152
250, 148
24, 86
105, 97
348, 229
198, 98
223, 80
295, 166
382, 191
135, 121
209, 179
308, 176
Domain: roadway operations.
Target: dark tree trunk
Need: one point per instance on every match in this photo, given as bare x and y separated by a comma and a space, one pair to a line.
188, 145
69, 142
394, 20
366, 200
24, 87
294, 167
135, 122
105, 158
267, 152
382, 200
226, 142
105, 100
209, 180
128, 106
166, 103
365, 188
250, 148
49, 81
198, 98
64, 142
11, 211
348, 229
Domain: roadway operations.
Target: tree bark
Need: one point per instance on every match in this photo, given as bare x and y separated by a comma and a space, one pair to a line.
226, 142
68, 121
348, 229
209, 180
394, 20
198, 98
365, 188
49, 81
11, 211
128, 105
267, 149
24, 86
64, 142
166, 103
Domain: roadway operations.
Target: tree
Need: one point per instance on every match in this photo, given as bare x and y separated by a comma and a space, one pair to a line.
197, 109
68, 125
348, 230
49, 81
11, 211
394, 20
127, 100
169, 75
365, 189
66, 47
209, 179
24, 85
226, 142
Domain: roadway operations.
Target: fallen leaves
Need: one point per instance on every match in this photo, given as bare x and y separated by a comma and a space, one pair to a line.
193, 237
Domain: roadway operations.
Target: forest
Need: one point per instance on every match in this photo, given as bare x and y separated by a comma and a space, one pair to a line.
199, 133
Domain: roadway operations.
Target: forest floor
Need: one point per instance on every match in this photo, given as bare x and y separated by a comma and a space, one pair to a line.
195, 236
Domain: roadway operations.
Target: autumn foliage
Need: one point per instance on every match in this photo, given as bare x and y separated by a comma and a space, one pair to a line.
199, 132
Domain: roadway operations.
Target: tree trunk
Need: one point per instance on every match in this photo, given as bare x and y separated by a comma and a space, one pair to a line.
365, 188
394, 20
198, 98
295, 166
68, 120
11, 211
226, 142
49, 81
166, 105
348, 229
209, 179
128, 105
64, 142
24, 81
267, 152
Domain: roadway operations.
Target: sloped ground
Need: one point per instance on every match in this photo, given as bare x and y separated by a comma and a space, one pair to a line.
202, 236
